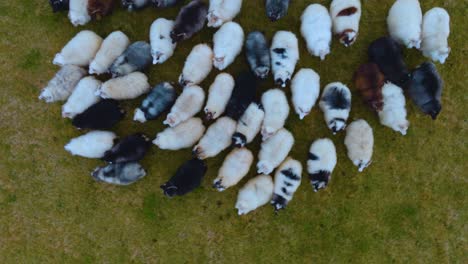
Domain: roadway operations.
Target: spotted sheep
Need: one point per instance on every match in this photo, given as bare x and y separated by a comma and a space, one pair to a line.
346, 15
336, 105
321, 163
287, 179
249, 125
284, 52
162, 47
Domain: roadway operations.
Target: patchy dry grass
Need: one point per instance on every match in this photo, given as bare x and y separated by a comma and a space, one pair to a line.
410, 206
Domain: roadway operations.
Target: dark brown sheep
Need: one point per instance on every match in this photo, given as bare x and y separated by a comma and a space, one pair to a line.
99, 8
369, 81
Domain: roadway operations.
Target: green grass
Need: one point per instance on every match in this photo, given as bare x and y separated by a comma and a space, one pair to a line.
410, 206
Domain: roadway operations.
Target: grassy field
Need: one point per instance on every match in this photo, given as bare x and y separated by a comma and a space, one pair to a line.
409, 206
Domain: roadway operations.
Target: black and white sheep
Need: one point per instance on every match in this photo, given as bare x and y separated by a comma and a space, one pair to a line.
287, 179
284, 56
336, 105
321, 162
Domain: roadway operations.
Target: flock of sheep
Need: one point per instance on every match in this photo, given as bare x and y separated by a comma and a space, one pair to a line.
231, 102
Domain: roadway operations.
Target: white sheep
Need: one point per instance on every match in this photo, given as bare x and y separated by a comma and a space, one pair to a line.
316, 28
216, 139
129, 86
235, 167
78, 12
162, 47
249, 125
80, 50
188, 104
112, 47
404, 23
287, 179
346, 15
435, 33
219, 93
254, 194
274, 150
227, 44
82, 97
276, 108
62, 85
359, 141
321, 163
198, 65
184, 135
222, 11
393, 113
284, 52
92, 144
336, 105
305, 89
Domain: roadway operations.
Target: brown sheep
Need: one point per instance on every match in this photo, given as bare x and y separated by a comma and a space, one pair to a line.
369, 81
99, 8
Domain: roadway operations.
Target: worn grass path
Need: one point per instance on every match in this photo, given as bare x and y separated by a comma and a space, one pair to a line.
410, 206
